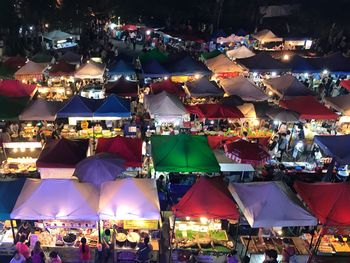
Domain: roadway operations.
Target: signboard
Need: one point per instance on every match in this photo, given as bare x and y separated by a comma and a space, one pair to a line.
141, 224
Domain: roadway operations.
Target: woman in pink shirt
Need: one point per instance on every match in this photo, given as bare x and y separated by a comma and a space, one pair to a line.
22, 248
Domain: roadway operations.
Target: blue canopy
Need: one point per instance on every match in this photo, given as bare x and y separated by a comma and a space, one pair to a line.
187, 66
335, 63
9, 192
153, 69
262, 62
79, 106
336, 147
299, 64
121, 68
114, 106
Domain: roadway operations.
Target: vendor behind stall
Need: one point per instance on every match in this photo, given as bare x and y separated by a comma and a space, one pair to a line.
144, 250
25, 230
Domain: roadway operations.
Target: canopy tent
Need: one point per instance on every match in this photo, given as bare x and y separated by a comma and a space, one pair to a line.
113, 107
61, 68
79, 106
232, 100
335, 146
221, 64
90, 70
121, 68
5, 72
41, 110
122, 87
128, 149
99, 168
164, 105
287, 86
243, 88
57, 35
262, 62
11, 108
299, 64
153, 54
62, 153
345, 84
183, 153
9, 192
335, 63
168, 86
283, 115
240, 52
129, 199
15, 88
187, 66
243, 151
208, 198
339, 103
329, 202
208, 55
248, 110
267, 205
203, 88
215, 111
230, 39
71, 58
15, 63
42, 58
128, 27
31, 70
56, 199
228, 165
265, 36
308, 108
153, 69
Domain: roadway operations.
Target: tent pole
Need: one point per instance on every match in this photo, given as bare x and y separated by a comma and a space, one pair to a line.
13, 232
315, 249
173, 236
312, 238
236, 234
250, 238
99, 230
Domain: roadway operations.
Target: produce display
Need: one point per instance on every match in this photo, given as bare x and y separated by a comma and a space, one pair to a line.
332, 244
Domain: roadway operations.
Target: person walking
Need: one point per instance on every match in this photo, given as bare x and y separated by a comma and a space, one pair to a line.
37, 255
84, 250
17, 258
142, 253
54, 257
22, 247
270, 256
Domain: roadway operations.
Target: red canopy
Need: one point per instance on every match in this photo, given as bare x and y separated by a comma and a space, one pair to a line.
345, 84
208, 197
168, 86
215, 111
129, 27
129, 149
215, 142
246, 152
308, 108
122, 88
329, 202
15, 88
15, 63
62, 153
62, 69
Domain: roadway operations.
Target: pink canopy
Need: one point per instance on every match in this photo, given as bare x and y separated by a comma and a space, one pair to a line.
15, 88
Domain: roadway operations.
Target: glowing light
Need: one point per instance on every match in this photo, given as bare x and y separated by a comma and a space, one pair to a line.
148, 32
255, 74
166, 77
306, 75
15, 150
23, 149
34, 79
31, 28
211, 122
325, 72
203, 220
270, 93
286, 57
256, 122
276, 122
274, 74
23, 81
32, 149
47, 25
279, 232
197, 76
187, 218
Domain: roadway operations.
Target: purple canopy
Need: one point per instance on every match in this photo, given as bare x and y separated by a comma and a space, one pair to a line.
99, 168
267, 205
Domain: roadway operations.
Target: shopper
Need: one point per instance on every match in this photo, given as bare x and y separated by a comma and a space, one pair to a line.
54, 257
144, 249
84, 250
17, 258
22, 247
270, 256
288, 252
37, 255
106, 244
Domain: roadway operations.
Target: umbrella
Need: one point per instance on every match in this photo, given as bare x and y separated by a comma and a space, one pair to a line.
246, 152
99, 168
232, 100
283, 115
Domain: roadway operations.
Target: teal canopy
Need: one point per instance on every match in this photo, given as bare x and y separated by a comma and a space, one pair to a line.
9, 192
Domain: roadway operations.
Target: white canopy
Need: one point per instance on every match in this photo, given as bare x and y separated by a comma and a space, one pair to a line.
41, 109
222, 64
164, 105
91, 70
31, 68
267, 205
248, 110
129, 199
228, 165
241, 52
57, 35
56, 199
266, 35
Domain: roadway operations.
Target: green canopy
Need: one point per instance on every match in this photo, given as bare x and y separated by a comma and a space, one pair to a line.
153, 54
41, 58
209, 55
5, 72
183, 153
11, 108
9, 192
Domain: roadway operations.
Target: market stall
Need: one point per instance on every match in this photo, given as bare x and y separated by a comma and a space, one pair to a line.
168, 86
41, 110
262, 63
15, 88
153, 54
258, 202
31, 72
223, 67
120, 68
71, 58
58, 39
122, 87
59, 158
187, 66
153, 69
342, 105
329, 202
244, 88
215, 111
15, 63
203, 88
11, 107
42, 57
198, 222
63, 212
240, 52
91, 71
131, 207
